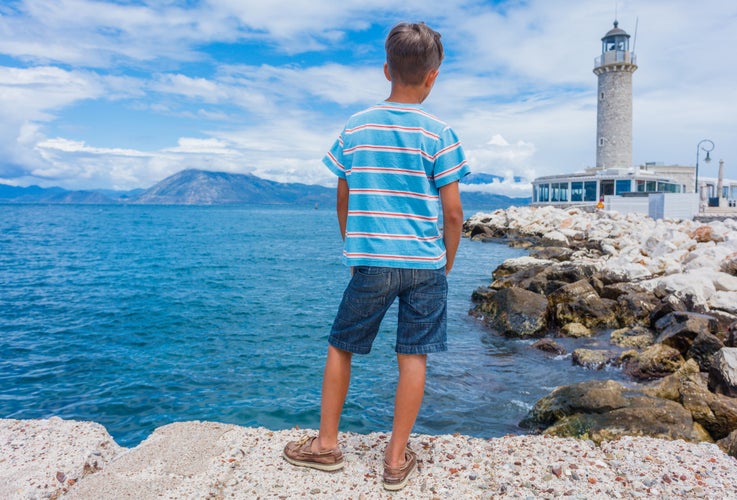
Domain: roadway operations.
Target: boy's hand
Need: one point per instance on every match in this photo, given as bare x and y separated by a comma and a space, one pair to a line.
341, 205
450, 198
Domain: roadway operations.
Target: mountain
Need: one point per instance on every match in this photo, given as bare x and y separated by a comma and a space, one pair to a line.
200, 187
36, 194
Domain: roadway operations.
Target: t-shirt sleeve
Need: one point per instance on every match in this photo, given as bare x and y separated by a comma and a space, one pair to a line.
333, 159
450, 161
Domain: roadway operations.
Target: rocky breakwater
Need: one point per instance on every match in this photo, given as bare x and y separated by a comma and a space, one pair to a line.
662, 292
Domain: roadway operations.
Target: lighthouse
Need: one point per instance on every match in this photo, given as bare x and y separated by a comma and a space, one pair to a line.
614, 70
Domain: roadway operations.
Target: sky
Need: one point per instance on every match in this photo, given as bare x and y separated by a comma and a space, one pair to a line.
122, 94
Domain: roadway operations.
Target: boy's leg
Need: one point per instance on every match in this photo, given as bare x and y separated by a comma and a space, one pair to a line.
335, 382
322, 452
408, 399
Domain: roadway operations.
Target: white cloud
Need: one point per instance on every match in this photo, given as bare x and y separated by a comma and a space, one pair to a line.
497, 156
508, 187
202, 146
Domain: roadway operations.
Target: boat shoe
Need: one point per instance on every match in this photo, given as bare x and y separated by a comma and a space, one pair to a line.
300, 453
395, 478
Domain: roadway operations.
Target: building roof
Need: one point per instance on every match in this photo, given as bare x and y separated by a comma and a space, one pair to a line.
616, 31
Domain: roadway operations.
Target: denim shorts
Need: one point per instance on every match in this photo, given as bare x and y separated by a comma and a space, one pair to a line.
422, 322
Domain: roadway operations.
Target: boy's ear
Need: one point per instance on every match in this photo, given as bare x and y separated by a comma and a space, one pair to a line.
386, 72
431, 77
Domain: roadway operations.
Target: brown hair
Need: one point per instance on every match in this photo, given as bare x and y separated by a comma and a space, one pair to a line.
412, 50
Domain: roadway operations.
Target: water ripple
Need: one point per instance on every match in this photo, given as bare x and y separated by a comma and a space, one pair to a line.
139, 316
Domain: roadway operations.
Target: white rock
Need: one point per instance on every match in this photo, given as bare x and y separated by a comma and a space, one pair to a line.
628, 271
555, 237
525, 262
695, 284
724, 301
725, 282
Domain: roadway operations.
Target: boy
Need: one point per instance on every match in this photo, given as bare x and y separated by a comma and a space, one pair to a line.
394, 163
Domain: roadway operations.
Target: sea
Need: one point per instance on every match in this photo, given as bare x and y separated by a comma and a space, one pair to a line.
137, 316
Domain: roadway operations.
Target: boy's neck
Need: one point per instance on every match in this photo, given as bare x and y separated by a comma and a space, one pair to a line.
410, 94
405, 94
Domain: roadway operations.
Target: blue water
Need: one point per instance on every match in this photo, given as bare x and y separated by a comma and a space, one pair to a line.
139, 316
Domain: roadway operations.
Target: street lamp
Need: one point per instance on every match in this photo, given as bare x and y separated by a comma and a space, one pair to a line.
707, 147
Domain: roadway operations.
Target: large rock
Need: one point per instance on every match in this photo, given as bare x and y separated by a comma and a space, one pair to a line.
530, 264
594, 359
593, 396
635, 308
576, 331
570, 272
669, 303
731, 340
679, 329
656, 361
515, 312
703, 349
559, 254
579, 303
549, 346
603, 410
716, 413
637, 337
643, 416
687, 386
729, 444
723, 372
670, 387
729, 265
692, 334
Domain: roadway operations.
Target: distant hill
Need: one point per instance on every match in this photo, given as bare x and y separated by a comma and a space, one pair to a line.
490, 202
35, 194
201, 187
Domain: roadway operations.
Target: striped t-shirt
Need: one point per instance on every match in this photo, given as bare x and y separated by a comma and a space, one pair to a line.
394, 158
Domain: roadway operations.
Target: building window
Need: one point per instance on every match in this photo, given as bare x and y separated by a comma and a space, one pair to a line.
576, 191
601, 141
542, 193
601, 96
668, 187
646, 186
589, 191
559, 191
563, 191
623, 186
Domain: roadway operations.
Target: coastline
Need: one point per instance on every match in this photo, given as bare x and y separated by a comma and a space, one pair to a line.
55, 458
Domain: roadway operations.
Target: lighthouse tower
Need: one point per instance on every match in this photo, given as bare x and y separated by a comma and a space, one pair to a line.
614, 69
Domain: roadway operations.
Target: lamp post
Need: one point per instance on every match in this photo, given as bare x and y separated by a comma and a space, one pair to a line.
707, 147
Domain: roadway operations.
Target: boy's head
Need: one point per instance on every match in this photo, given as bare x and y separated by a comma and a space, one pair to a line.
412, 51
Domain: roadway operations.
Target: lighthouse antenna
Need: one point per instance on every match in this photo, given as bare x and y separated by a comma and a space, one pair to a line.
634, 40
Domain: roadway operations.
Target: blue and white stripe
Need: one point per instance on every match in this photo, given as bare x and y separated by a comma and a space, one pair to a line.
395, 157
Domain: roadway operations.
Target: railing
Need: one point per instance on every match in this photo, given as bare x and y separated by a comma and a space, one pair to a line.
615, 57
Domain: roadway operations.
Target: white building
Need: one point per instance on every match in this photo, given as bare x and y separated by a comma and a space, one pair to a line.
614, 184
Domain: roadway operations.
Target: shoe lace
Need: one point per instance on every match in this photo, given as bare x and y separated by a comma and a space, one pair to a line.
303, 440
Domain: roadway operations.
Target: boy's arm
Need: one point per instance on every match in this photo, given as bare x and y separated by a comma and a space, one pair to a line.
450, 198
342, 205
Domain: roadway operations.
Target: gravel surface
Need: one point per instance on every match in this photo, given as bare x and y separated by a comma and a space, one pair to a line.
46, 458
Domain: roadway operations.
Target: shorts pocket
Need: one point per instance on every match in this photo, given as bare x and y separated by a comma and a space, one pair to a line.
369, 289
429, 296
